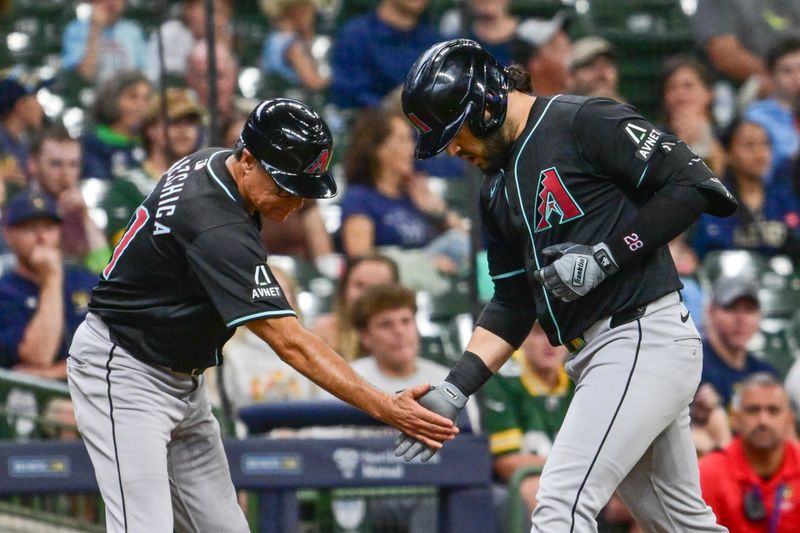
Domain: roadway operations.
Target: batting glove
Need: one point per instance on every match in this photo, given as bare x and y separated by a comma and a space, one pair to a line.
578, 269
445, 399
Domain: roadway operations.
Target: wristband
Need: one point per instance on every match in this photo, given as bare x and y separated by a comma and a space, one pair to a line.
469, 373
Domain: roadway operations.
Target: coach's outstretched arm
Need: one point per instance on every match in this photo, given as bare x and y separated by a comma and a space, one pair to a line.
504, 323
310, 356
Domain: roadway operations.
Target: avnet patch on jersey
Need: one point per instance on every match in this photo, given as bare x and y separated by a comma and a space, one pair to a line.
264, 285
645, 139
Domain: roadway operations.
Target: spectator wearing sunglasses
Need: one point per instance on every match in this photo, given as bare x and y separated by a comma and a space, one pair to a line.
753, 485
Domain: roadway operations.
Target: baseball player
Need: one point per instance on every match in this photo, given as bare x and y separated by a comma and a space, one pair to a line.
580, 199
189, 269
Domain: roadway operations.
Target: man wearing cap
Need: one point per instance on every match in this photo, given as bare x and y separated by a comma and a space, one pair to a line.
184, 135
20, 115
543, 47
733, 318
42, 301
593, 67
54, 166
189, 269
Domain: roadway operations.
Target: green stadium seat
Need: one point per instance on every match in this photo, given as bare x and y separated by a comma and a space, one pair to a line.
732, 263
776, 348
536, 8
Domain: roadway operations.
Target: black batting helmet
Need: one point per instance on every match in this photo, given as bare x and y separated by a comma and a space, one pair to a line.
451, 83
293, 144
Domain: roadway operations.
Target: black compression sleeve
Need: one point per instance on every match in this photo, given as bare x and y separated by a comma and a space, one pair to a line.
469, 374
661, 219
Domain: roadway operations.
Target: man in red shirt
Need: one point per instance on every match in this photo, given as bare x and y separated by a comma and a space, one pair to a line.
753, 485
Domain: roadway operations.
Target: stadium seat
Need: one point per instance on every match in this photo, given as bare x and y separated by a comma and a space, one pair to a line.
536, 8
732, 263
776, 348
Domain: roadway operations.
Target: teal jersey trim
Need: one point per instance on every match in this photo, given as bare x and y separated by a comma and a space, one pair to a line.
642, 176
508, 274
213, 175
525, 216
248, 318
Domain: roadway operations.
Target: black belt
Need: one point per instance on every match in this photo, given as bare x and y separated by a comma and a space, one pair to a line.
194, 372
617, 319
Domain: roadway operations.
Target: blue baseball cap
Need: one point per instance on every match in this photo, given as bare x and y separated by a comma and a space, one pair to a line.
29, 205
16, 84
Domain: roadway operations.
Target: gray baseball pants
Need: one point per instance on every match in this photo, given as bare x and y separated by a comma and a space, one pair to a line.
153, 442
627, 429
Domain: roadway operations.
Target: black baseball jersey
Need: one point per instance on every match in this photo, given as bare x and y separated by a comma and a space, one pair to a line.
190, 267
580, 171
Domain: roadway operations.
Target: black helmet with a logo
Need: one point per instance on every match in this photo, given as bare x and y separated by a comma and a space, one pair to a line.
451, 83
293, 144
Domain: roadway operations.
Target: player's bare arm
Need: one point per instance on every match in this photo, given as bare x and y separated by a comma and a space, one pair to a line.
309, 355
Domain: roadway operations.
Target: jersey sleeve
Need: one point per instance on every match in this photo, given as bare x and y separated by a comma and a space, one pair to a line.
231, 264
500, 419
614, 140
511, 312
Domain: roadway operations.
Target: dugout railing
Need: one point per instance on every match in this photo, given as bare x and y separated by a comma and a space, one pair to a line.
274, 470
52, 481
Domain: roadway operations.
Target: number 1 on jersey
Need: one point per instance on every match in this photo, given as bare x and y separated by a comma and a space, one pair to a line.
139, 218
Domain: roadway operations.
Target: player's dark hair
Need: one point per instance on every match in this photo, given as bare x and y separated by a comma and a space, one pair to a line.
782, 48
368, 133
519, 79
238, 150
380, 298
106, 100
56, 133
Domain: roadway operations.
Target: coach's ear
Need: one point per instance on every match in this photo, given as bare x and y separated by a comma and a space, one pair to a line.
248, 161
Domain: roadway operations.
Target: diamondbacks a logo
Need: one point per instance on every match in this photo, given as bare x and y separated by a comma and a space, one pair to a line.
555, 198
320, 164
417, 122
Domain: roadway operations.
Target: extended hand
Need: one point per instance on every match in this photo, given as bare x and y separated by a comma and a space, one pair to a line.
578, 269
408, 414
445, 399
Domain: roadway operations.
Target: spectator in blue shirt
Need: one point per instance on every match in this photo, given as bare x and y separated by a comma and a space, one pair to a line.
42, 301
387, 203
490, 23
104, 44
373, 53
115, 145
286, 52
777, 114
768, 219
733, 319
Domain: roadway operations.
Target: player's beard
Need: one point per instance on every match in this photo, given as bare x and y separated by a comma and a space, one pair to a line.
498, 145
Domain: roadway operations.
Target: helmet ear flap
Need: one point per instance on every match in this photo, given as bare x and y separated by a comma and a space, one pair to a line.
492, 102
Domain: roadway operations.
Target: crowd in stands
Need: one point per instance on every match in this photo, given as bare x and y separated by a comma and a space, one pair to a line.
395, 235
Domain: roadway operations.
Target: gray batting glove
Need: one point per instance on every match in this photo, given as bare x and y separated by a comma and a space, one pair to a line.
578, 269
445, 399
